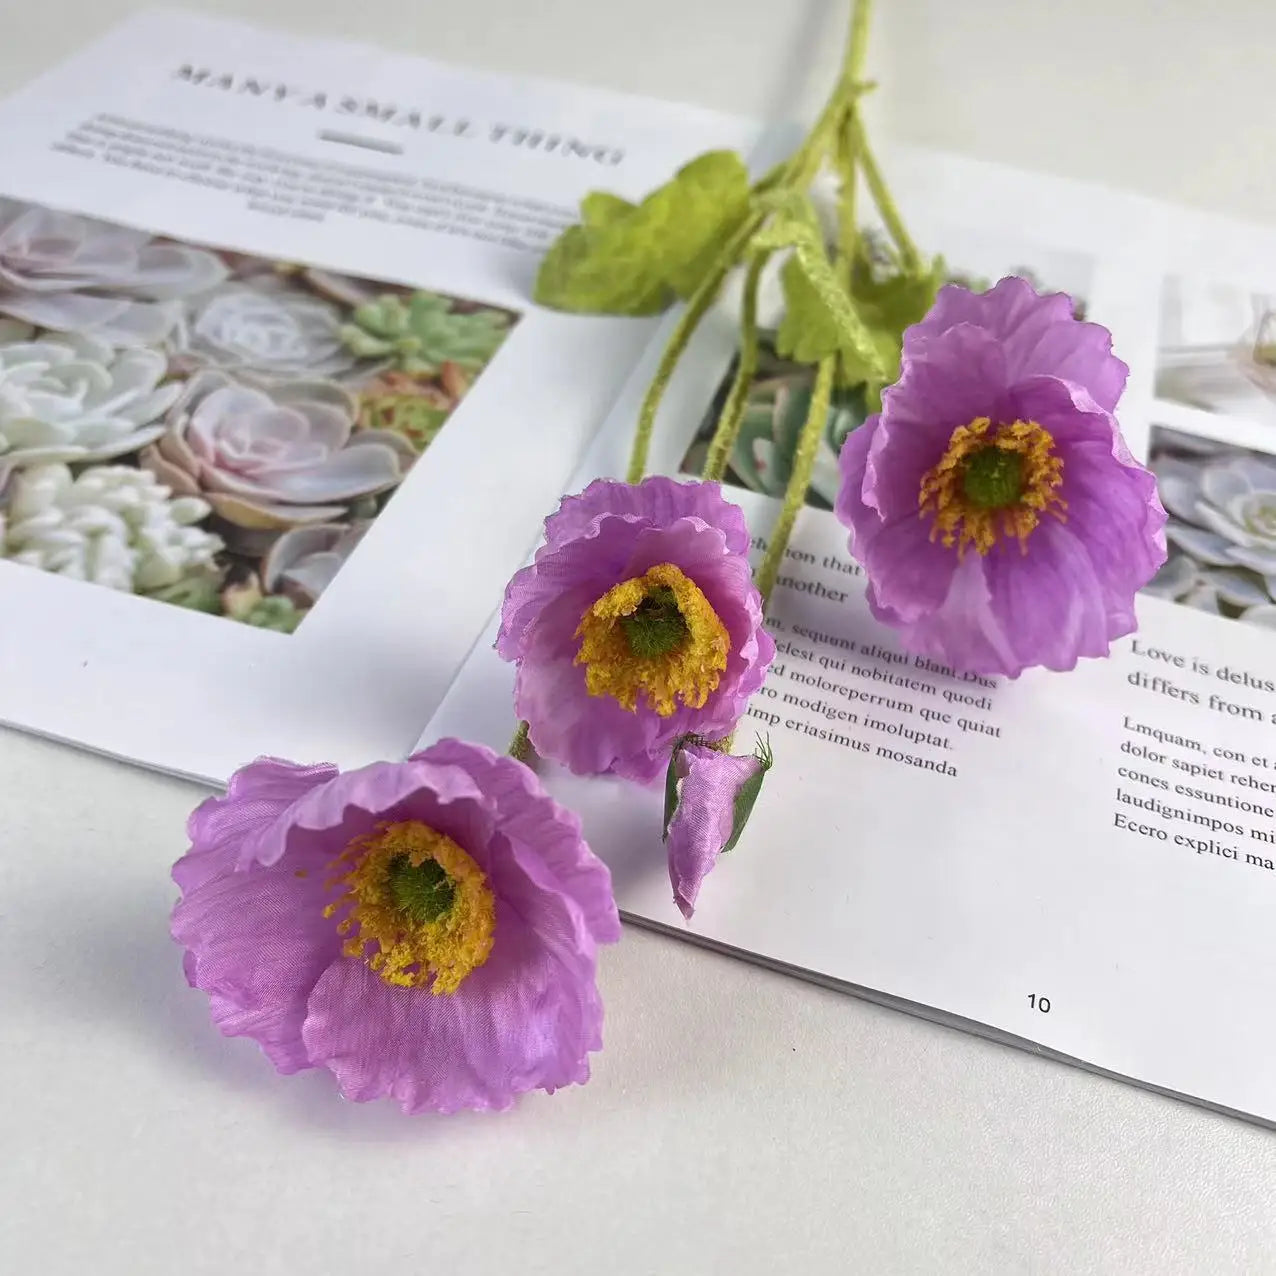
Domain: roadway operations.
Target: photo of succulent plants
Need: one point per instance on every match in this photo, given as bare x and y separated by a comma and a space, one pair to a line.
1221, 500
206, 428
1217, 348
762, 458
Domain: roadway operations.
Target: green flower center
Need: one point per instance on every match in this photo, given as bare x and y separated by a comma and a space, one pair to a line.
993, 478
656, 627
423, 891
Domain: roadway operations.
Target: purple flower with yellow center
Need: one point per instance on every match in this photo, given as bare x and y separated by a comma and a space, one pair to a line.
425, 930
709, 796
636, 624
1001, 521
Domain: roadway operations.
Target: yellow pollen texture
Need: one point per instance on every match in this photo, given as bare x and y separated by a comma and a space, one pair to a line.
405, 951
959, 521
688, 673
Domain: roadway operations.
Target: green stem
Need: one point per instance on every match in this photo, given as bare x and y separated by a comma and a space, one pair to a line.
910, 259
728, 427
848, 231
800, 478
806, 161
521, 745
697, 307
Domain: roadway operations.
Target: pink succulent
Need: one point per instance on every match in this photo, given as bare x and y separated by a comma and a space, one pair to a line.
267, 459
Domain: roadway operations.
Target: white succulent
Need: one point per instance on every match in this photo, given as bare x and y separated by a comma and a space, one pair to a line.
113, 525
72, 397
264, 328
77, 274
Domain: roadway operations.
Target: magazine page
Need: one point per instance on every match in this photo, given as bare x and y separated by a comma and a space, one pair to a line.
1080, 862
277, 417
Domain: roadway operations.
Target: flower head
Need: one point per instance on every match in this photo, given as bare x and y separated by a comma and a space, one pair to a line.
999, 516
425, 930
709, 797
637, 624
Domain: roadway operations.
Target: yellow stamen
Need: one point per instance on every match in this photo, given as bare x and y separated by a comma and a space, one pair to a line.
1017, 496
415, 906
685, 667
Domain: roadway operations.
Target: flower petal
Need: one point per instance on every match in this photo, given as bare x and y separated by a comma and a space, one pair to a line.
257, 943
519, 1022
258, 795
656, 500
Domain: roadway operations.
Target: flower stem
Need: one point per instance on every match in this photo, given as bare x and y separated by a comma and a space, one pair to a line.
800, 478
909, 258
697, 307
807, 159
728, 427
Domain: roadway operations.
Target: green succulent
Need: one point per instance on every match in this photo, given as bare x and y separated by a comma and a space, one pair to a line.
273, 611
413, 408
762, 458
421, 334
195, 593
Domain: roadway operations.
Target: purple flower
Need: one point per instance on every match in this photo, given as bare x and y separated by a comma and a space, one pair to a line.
637, 624
711, 795
999, 516
424, 929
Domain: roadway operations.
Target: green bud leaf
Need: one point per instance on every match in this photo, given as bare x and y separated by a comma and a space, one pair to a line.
630, 259
671, 782
748, 793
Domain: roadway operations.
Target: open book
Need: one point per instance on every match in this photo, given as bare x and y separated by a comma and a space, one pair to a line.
298, 422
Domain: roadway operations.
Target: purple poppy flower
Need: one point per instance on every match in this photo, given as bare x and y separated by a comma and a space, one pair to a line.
1000, 518
637, 624
425, 930
711, 795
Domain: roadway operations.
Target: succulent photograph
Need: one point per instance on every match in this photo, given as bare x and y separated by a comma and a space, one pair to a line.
205, 428
1221, 500
1217, 348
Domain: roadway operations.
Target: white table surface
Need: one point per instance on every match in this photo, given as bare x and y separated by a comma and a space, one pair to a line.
738, 1121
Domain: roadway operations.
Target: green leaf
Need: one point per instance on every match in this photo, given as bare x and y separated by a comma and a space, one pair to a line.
600, 209
897, 301
600, 271
820, 319
630, 259
888, 305
702, 206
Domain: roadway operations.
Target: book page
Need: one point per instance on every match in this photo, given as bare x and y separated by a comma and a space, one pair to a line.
1079, 862
322, 418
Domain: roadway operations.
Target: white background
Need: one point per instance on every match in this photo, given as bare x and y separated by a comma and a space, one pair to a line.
738, 1120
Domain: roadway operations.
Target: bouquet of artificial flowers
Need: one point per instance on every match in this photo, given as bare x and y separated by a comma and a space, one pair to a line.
427, 930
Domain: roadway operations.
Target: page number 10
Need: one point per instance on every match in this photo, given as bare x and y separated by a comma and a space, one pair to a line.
1039, 1003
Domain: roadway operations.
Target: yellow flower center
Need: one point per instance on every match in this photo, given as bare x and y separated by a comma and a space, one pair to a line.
655, 636
414, 906
992, 483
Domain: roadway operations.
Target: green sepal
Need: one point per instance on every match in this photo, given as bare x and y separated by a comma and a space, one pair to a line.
748, 792
745, 798
671, 782
632, 259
